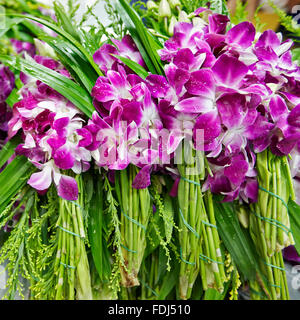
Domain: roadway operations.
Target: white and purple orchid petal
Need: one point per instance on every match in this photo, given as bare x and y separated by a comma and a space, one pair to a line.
201, 83
56, 142
41, 180
103, 57
116, 79
236, 172
284, 47
229, 71
293, 98
285, 146
268, 39
177, 77
142, 179
60, 126
157, 85
278, 107
195, 105
242, 34
294, 117
174, 140
251, 190
231, 107
260, 130
63, 158
184, 58
210, 124
266, 54
103, 92
67, 188
218, 23
132, 111
87, 137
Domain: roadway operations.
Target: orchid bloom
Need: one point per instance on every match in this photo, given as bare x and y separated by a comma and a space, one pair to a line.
51, 131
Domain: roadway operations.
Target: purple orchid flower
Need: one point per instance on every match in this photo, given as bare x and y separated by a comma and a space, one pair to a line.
50, 127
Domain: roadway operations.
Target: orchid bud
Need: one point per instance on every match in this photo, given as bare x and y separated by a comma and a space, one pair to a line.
173, 21
183, 17
151, 5
44, 49
198, 22
243, 217
164, 10
174, 3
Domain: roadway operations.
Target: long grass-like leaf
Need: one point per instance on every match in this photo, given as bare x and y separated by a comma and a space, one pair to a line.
68, 88
145, 42
235, 239
294, 214
97, 241
62, 33
13, 178
8, 150
74, 61
138, 69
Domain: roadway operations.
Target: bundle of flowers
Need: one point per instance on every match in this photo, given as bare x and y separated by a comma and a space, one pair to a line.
157, 152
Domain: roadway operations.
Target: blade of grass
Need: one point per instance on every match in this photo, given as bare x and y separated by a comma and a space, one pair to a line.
68, 88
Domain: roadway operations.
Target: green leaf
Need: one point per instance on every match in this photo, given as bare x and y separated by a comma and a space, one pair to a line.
65, 22
134, 66
62, 33
68, 88
145, 42
169, 282
99, 247
235, 239
13, 98
8, 150
13, 178
74, 61
9, 23
294, 214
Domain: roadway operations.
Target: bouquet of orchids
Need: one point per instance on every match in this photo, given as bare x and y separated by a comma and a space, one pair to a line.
169, 143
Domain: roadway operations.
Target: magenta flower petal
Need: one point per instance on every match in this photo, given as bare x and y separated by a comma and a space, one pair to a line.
195, 105
63, 158
201, 83
268, 39
294, 117
177, 77
103, 57
231, 107
67, 188
251, 190
229, 71
41, 180
236, 172
210, 124
132, 111
157, 85
103, 92
277, 107
218, 23
242, 34
184, 58
142, 179
290, 254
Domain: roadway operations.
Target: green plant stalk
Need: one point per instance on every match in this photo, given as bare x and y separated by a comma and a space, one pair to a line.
134, 207
202, 238
83, 278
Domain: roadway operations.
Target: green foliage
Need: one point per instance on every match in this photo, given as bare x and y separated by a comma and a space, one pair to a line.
286, 21
240, 13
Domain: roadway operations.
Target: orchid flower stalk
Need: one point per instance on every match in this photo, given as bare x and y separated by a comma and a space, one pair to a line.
71, 267
199, 240
135, 207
